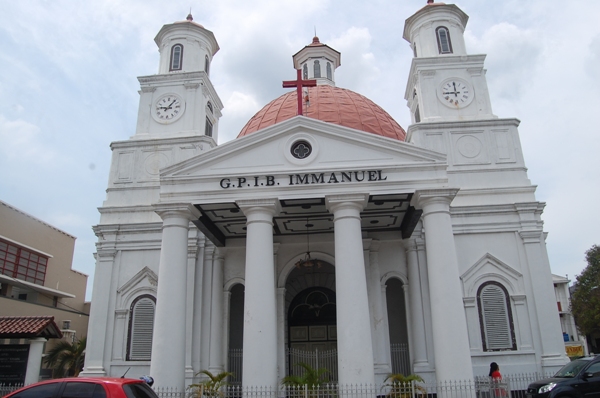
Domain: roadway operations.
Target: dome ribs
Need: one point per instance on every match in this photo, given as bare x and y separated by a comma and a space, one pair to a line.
332, 105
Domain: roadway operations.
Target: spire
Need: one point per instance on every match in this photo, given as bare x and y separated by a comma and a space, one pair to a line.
189, 17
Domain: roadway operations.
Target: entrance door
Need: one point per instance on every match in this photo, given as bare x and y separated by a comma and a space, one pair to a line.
312, 331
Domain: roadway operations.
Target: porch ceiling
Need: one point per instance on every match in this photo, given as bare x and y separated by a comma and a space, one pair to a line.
222, 221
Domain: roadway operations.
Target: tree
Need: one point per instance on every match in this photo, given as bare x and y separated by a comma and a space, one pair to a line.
66, 359
585, 300
401, 386
211, 386
311, 377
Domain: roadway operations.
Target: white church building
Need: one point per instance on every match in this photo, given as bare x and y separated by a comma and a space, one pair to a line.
326, 229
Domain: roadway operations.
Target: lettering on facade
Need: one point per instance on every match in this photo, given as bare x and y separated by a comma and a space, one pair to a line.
303, 179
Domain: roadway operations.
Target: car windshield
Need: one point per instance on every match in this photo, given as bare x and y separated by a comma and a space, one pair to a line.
572, 369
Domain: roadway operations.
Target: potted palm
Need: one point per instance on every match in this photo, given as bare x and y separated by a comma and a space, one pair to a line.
401, 386
211, 386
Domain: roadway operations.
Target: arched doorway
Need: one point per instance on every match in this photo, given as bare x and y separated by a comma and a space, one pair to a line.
311, 319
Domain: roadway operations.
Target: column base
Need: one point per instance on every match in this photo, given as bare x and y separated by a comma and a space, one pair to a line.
93, 371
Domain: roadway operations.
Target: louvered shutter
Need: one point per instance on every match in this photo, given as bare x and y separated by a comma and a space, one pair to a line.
142, 325
495, 320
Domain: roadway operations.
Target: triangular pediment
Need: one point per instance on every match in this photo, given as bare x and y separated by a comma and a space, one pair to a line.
250, 161
489, 268
340, 161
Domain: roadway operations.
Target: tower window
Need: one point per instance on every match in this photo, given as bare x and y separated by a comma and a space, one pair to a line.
317, 69
208, 128
415, 49
209, 106
141, 326
206, 64
305, 72
329, 74
495, 318
443, 39
176, 57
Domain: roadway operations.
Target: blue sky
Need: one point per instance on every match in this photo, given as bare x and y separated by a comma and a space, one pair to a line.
68, 88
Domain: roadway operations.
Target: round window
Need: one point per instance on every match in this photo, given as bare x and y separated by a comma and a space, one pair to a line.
301, 149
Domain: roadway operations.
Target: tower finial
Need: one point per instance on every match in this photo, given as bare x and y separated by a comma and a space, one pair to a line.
189, 17
429, 1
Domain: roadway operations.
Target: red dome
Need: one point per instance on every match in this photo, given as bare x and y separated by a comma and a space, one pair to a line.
329, 104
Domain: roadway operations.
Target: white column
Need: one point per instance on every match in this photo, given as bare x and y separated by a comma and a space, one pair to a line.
355, 351
449, 325
216, 363
382, 366
417, 323
167, 366
34, 360
99, 314
544, 298
260, 313
206, 307
197, 309
193, 255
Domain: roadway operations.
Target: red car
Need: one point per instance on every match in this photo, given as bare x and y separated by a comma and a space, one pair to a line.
86, 387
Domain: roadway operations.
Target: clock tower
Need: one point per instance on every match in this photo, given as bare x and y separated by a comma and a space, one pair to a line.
445, 82
180, 100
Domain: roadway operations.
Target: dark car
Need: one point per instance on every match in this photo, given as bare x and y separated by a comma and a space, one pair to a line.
578, 378
86, 387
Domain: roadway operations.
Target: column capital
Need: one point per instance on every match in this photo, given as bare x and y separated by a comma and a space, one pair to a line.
168, 211
220, 253
336, 202
425, 197
410, 244
251, 207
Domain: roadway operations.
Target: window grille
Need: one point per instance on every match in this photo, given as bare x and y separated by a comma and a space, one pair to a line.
495, 318
443, 38
141, 325
176, 57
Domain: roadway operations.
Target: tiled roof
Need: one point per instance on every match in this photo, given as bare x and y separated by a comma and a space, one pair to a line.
329, 104
15, 327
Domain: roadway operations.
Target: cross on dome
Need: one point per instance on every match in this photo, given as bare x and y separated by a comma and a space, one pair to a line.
299, 83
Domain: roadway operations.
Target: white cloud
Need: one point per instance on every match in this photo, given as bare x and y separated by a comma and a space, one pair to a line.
21, 143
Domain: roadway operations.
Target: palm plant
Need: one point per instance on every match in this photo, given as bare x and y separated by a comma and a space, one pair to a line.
311, 378
211, 386
401, 386
66, 359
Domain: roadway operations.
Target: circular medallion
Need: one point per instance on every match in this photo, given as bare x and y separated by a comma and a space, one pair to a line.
469, 146
301, 149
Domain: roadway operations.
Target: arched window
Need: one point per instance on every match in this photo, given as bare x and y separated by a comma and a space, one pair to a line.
208, 128
495, 318
317, 69
305, 72
141, 325
206, 64
176, 57
329, 74
210, 108
443, 39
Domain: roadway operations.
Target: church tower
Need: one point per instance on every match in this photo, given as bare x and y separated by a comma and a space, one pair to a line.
180, 100
448, 97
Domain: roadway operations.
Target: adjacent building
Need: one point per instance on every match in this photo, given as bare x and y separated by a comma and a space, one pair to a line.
36, 278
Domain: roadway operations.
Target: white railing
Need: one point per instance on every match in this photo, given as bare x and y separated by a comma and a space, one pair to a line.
6, 389
513, 386
316, 359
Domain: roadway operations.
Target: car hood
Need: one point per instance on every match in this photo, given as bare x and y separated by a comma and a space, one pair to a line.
538, 383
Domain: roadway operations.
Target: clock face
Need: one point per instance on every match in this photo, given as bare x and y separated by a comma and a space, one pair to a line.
168, 108
455, 93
